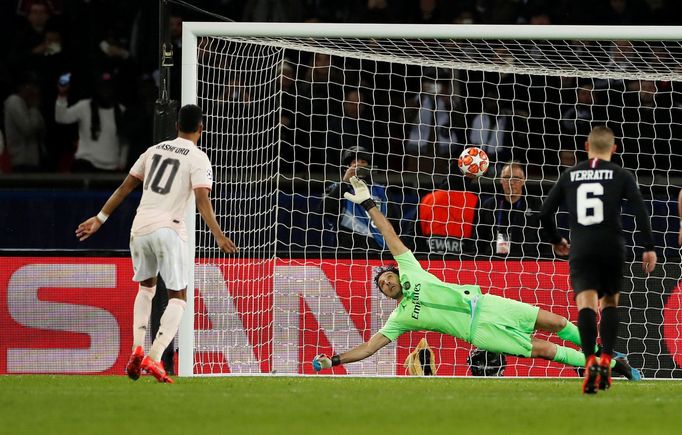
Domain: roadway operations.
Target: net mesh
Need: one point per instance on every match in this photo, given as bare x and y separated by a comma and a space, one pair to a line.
286, 116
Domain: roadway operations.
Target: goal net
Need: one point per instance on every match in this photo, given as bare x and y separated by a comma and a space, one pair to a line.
289, 108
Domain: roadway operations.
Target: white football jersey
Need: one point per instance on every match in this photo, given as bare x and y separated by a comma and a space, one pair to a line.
169, 171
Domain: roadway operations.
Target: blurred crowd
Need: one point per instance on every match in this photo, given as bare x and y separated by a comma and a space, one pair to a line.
79, 78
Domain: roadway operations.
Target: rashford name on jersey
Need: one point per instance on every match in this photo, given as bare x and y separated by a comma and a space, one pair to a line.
171, 148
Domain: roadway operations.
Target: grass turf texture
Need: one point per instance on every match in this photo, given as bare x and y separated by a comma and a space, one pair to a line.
325, 405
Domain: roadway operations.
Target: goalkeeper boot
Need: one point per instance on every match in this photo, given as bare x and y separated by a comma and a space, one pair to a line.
592, 372
624, 368
134, 366
155, 368
605, 373
621, 355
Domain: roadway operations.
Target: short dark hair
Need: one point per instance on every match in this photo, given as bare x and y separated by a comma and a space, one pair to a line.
189, 118
356, 152
391, 268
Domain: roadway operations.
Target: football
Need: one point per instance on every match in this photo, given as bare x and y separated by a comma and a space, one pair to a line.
473, 161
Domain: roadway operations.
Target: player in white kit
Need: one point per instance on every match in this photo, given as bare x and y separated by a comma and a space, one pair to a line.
169, 171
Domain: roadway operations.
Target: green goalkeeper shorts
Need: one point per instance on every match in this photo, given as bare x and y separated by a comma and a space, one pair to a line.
504, 325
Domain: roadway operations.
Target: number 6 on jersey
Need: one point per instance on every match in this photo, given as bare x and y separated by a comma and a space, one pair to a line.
587, 199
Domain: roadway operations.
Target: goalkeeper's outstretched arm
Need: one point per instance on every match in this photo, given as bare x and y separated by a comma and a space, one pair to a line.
362, 197
358, 353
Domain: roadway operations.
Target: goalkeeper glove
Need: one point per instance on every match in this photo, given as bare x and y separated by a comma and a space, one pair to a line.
361, 196
321, 361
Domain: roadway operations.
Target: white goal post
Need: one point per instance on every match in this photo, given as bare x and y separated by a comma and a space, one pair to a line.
294, 291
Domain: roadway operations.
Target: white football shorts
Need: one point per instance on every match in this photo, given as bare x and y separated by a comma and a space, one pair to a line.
161, 251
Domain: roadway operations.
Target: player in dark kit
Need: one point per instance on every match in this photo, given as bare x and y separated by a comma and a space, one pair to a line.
593, 191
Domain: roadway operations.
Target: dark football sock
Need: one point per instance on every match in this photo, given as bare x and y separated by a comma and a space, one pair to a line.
608, 329
587, 324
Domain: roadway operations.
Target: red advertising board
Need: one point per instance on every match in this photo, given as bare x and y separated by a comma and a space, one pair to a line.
74, 315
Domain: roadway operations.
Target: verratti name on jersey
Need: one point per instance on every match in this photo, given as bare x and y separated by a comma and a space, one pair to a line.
592, 174
171, 148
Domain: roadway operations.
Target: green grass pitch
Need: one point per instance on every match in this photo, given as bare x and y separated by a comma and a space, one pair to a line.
330, 405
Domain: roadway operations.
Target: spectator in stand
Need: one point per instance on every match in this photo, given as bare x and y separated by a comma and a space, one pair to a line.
289, 119
102, 146
25, 127
437, 135
646, 129
49, 63
577, 119
576, 123
509, 224
114, 49
354, 231
50, 66
113, 55
491, 130
622, 57
350, 130
29, 39
321, 90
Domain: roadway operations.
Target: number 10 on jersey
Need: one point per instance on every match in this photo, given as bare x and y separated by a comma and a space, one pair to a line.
158, 171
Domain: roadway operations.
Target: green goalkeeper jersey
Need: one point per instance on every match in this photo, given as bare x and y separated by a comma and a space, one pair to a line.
430, 304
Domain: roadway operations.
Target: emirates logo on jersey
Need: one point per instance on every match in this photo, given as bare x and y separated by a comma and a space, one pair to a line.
417, 304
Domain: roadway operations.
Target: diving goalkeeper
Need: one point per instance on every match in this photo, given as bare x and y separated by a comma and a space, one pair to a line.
425, 303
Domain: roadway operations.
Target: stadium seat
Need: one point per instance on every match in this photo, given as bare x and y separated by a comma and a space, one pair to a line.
446, 219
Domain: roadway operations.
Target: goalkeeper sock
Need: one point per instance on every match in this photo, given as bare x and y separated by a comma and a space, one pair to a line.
142, 309
570, 333
587, 324
170, 321
572, 357
608, 329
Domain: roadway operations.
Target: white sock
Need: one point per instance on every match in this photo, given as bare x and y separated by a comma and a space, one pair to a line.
170, 321
142, 309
